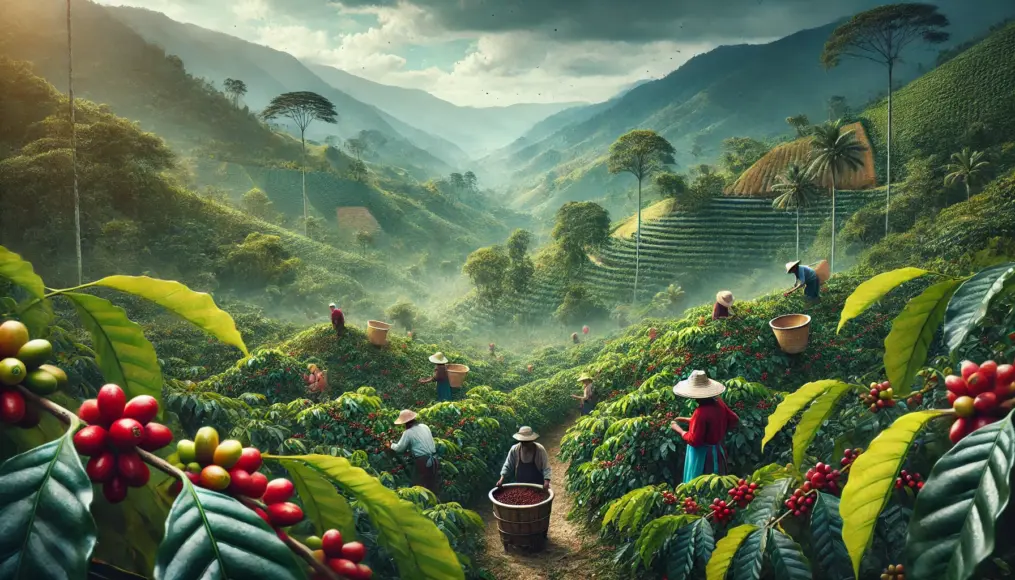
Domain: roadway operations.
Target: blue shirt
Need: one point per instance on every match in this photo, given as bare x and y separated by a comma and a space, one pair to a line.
806, 275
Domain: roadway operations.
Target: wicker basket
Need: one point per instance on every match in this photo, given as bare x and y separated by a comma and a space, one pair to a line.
377, 332
823, 270
791, 332
456, 375
523, 526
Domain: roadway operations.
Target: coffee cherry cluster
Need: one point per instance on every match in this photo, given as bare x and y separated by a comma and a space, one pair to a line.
911, 480
721, 511
226, 467
915, 400
977, 394
22, 362
690, 506
894, 572
822, 477
344, 559
849, 456
669, 498
879, 397
743, 493
278, 512
800, 502
117, 429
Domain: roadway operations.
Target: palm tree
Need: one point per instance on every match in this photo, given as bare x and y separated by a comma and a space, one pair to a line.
73, 142
967, 166
833, 153
796, 190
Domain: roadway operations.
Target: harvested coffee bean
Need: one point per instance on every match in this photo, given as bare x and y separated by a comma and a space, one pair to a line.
520, 495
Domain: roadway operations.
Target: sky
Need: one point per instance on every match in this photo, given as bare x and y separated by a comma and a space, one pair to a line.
501, 52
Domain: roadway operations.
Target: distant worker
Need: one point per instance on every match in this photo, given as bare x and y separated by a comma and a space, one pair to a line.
337, 320
440, 377
527, 460
574, 338
417, 439
707, 426
317, 381
586, 399
723, 302
806, 278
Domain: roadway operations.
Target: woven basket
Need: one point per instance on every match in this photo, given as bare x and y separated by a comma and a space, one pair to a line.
792, 332
523, 526
456, 375
823, 270
377, 332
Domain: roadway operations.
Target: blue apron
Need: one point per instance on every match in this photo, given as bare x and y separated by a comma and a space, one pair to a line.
694, 460
443, 390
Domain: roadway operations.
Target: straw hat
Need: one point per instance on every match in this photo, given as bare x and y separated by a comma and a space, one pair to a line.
725, 298
698, 386
791, 265
439, 359
332, 305
584, 377
526, 434
405, 416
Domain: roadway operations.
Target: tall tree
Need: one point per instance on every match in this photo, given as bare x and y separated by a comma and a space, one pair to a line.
235, 89
671, 185
834, 152
799, 122
471, 181
357, 146
796, 191
74, 144
581, 227
302, 108
967, 166
641, 153
880, 35
488, 268
457, 181
522, 268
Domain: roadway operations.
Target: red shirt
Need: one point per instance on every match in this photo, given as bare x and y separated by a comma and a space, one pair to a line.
720, 311
337, 318
710, 422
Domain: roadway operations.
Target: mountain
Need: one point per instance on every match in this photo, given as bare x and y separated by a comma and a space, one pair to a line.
742, 90
268, 73
499, 125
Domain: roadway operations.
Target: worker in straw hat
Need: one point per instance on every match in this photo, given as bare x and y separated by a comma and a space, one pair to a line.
707, 427
587, 399
723, 302
417, 439
440, 376
806, 278
527, 460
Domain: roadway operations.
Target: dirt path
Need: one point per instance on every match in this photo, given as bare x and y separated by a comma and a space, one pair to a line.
569, 552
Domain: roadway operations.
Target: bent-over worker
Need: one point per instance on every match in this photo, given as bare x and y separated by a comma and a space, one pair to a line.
418, 439
440, 376
337, 320
707, 427
723, 302
527, 460
587, 399
806, 278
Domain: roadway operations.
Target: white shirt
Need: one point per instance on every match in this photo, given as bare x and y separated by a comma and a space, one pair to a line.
418, 439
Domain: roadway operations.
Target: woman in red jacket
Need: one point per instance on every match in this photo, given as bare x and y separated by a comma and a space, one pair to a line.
707, 427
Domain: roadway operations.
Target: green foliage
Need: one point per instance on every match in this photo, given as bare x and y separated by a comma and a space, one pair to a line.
580, 228
641, 153
956, 518
970, 303
907, 345
738, 154
404, 313
826, 538
788, 560
210, 533
659, 531
579, 307
726, 549
258, 204
794, 403
321, 502
873, 290
302, 108
767, 503
45, 496
260, 260
671, 185
488, 269
814, 417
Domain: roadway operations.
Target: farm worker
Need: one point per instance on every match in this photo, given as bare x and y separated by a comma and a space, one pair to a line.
418, 439
317, 382
707, 427
527, 459
440, 377
587, 400
723, 301
574, 338
806, 278
337, 320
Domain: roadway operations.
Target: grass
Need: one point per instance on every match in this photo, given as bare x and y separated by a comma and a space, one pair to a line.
629, 226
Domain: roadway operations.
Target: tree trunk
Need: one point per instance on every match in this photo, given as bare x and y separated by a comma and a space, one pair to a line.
74, 145
303, 176
967, 188
637, 246
888, 180
831, 262
798, 232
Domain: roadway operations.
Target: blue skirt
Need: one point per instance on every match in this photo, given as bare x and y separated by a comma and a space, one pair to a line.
812, 288
443, 391
694, 460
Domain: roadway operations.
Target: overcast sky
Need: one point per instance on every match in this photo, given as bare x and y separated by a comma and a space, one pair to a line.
500, 52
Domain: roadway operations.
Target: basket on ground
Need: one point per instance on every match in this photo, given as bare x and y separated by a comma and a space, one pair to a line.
377, 332
456, 375
523, 526
792, 331
823, 270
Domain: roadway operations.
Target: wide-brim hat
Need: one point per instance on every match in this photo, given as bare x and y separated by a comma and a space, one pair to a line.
526, 434
439, 359
405, 416
698, 386
791, 265
584, 377
725, 298
332, 305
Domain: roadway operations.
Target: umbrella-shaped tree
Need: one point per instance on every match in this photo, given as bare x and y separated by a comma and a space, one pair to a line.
835, 151
967, 166
796, 191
